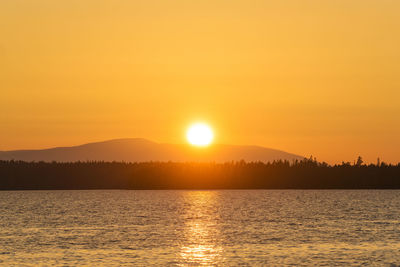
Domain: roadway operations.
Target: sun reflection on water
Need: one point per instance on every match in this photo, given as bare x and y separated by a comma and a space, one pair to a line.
202, 236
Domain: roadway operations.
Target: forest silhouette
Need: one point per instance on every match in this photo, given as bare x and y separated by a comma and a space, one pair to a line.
303, 174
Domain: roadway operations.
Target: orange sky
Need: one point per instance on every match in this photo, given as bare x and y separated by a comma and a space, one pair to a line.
309, 77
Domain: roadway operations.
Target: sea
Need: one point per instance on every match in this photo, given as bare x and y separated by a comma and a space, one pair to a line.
200, 228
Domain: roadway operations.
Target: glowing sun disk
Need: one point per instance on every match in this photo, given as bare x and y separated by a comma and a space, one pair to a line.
200, 134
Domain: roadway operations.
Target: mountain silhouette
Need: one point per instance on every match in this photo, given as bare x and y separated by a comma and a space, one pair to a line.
142, 150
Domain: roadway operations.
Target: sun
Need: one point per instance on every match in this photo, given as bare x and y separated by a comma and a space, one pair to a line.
200, 134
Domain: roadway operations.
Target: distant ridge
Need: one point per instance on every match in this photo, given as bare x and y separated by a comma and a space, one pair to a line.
142, 150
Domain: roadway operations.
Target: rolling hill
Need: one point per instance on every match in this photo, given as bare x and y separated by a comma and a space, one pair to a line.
142, 150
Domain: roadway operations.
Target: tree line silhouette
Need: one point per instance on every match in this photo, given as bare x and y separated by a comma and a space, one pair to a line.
304, 174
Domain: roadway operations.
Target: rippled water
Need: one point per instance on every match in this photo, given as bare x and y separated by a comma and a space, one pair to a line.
259, 227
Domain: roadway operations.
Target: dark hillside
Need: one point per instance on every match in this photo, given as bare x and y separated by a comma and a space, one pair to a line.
306, 174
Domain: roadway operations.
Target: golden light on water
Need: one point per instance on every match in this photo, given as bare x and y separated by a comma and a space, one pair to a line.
200, 134
202, 236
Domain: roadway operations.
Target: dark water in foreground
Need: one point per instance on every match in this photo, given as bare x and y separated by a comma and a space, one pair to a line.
259, 227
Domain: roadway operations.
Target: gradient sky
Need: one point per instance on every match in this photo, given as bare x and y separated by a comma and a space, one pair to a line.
309, 77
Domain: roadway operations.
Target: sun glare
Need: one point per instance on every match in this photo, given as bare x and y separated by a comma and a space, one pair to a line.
200, 134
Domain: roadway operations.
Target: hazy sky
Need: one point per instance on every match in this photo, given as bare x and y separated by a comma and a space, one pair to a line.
309, 77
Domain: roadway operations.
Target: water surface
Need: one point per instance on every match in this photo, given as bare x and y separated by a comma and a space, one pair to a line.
227, 227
